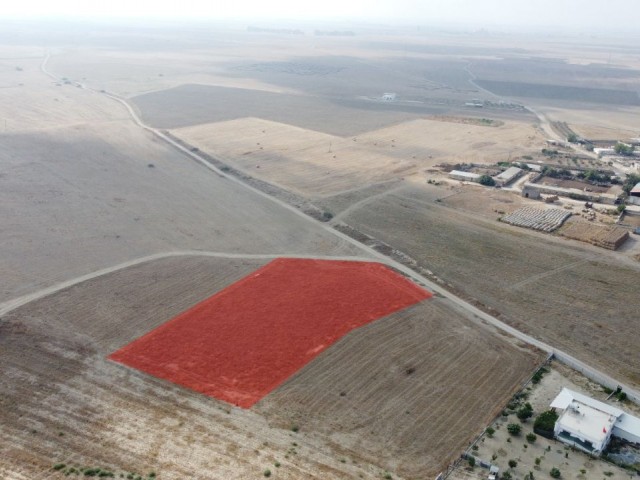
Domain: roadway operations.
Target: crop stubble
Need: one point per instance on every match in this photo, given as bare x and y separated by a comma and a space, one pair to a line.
567, 296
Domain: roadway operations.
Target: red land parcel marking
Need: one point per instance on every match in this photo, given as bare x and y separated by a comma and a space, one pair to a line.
244, 341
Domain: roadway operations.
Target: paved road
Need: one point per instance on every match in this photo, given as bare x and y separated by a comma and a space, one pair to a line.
469, 310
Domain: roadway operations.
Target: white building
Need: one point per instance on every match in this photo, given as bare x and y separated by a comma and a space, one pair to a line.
464, 176
588, 424
388, 97
507, 176
634, 195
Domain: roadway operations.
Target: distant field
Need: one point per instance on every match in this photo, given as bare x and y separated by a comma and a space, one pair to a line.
561, 92
195, 104
316, 164
417, 386
573, 298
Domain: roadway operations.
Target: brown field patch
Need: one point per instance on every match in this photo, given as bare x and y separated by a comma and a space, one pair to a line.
610, 237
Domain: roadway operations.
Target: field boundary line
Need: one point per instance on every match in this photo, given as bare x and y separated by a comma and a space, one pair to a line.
15, 303
472, 311
549, 273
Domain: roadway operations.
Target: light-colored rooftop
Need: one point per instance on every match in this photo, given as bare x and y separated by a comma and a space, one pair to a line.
460, 173
587, 422
509, 173
566, 396
636, 189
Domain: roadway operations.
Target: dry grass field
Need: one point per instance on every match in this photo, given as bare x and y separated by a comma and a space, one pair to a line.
317, 164
411, 375
578, 299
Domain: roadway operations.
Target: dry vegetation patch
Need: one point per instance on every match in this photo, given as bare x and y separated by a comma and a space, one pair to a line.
610, 237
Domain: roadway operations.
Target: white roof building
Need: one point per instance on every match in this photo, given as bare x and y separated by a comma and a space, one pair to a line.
588, 424
508, 175
464, 176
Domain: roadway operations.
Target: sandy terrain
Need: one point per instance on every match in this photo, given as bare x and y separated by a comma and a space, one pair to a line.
553, 289
317, 164
64, 402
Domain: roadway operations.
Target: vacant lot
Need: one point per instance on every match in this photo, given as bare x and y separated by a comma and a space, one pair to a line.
318, 164
572, 298
418, 385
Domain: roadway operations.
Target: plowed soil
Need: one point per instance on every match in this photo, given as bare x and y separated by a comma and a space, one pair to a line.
241, 343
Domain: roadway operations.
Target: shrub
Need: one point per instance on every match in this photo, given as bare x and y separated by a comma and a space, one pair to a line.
513, 463
490, 431
487, 181
514, 428
531, 437
545, 422
295, 428
506, 476
621, 396
472, 461
607, 390
555, 473
59, 466
525, 412
267, 473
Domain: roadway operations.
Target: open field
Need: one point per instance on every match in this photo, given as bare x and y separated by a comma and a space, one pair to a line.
318, 164
570, 297
396, 413
79, 199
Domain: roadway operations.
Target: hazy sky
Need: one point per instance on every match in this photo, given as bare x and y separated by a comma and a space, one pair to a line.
583, 14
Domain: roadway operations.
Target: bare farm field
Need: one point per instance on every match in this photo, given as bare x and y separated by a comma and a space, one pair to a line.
573, 298
83, 198
64, 402
318, 164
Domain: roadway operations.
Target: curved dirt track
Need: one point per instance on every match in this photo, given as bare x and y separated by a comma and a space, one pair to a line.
10, 305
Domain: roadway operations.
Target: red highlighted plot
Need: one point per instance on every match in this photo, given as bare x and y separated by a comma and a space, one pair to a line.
244, 341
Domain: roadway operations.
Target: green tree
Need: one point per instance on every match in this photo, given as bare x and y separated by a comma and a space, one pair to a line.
531, 437
572, 138
555, 473
487, 181
513, 463
514, 428
623, 149
472, 461
490, 431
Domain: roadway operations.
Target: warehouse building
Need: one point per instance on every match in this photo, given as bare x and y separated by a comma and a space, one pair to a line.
634, 195
508, 176
464, 176
588, 424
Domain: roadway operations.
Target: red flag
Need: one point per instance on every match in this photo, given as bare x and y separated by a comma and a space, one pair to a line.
604, 429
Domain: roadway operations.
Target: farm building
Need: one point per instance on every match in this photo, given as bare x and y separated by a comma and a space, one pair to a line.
508, 176
634, 195
533, 190
601, 152
588, 424
464, 176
